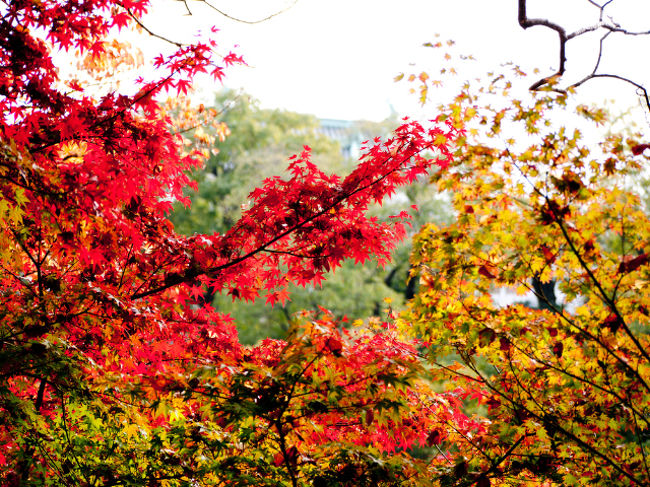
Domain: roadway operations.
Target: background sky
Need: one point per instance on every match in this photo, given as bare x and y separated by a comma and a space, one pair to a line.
338, 58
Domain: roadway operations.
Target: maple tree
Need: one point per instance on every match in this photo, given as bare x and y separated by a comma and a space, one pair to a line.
256, 148
115, 371
548, 211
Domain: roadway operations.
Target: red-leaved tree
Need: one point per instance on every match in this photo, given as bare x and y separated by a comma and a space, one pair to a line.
114, 372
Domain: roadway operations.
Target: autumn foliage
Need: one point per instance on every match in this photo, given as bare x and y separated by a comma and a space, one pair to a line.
115, 371
557, 217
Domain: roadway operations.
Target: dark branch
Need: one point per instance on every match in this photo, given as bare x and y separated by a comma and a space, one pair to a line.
526, 23
610, 26
147, 30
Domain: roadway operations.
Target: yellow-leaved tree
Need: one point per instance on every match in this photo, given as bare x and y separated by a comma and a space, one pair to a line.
533, 303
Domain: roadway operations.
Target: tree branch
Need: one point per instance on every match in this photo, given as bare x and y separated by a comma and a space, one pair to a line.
192, 273
526, 23
610, 26
244, 21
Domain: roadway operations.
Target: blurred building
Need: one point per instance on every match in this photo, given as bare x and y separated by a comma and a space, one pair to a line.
349, 134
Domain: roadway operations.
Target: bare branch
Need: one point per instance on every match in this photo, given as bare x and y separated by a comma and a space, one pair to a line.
187, 7
147, 30
610, 26
526, 23
244, 21
641, 90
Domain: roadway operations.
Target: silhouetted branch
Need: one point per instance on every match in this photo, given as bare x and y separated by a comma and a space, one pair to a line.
608, 24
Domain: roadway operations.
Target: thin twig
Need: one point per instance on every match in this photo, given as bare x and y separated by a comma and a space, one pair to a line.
244, 21
147, 30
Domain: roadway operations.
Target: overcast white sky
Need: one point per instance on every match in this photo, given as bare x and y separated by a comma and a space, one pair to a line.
338, 58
